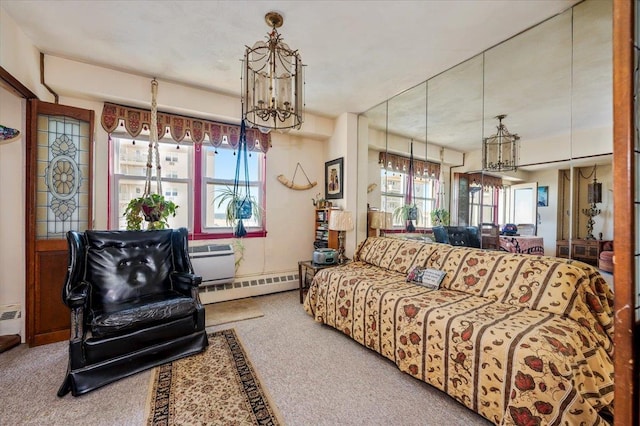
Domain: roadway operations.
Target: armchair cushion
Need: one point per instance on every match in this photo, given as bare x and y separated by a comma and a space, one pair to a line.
140, 313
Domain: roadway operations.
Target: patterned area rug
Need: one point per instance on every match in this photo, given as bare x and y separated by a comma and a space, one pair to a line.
216, 387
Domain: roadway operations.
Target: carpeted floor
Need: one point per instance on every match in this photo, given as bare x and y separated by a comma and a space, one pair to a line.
231, 311
314, 374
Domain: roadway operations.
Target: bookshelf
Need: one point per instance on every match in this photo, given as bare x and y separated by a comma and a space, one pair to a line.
324, 237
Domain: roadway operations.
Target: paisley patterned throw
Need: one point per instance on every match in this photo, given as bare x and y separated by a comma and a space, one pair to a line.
519, 339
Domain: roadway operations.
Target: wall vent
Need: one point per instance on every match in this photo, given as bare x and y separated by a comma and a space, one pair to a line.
10, 312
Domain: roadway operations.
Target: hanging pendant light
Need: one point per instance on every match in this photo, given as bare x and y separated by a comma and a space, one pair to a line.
499, 150
273, 82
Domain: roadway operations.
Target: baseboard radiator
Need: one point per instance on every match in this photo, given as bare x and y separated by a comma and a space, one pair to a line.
248, 286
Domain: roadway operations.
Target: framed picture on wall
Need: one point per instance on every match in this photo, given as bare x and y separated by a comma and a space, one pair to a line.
333, 179
543, 196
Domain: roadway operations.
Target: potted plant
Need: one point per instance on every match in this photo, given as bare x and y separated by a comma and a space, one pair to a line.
237, 207
407, 213
153, 208
440, 217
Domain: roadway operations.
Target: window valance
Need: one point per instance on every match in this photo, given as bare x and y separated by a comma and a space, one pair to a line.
486, 181
135, 120
400, 163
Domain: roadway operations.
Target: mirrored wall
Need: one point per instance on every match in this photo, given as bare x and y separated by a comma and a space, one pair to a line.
553, 84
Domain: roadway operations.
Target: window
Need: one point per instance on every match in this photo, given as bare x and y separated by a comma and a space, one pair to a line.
486, 205
393, 187
192, 188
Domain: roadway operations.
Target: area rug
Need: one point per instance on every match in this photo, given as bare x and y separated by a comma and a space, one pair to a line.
233, 310
216, 387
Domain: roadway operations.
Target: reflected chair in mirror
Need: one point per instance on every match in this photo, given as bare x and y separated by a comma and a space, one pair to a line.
466, 236
490, 233
473, 236
526, 229
134, 305
440, 234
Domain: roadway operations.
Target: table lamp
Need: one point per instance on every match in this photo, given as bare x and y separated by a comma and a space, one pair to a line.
341, 221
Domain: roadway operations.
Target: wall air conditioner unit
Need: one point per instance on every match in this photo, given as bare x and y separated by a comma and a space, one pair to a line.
214, 262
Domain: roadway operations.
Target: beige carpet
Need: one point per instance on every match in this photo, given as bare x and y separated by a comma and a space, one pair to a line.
216, 387
231, 311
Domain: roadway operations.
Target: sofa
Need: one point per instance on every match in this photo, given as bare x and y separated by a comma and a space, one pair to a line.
134, 305
519, 339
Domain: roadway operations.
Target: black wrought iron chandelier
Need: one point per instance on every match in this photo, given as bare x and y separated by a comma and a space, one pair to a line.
499, 150
273, 82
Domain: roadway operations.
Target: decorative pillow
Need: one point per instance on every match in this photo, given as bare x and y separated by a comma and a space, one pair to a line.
430, 278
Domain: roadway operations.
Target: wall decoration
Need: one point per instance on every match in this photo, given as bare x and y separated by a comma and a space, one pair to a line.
291, 183
333, 179
8, 134
543, 196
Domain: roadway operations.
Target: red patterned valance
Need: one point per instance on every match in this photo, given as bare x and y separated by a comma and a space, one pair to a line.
486, 181
401, 164
135, 120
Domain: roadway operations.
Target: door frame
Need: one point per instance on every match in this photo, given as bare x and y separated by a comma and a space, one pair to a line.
37, 249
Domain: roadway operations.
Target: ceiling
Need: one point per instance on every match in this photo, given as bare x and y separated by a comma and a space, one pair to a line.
358, 53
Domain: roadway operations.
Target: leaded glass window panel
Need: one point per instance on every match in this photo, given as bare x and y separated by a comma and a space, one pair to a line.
62, 199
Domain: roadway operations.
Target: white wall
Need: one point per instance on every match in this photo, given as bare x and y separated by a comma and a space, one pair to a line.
548, 216
12, 224
344, 143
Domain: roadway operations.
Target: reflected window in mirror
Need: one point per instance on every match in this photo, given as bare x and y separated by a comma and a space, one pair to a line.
486, 205
393, 185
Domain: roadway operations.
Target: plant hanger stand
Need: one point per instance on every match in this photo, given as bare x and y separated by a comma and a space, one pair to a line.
152, 207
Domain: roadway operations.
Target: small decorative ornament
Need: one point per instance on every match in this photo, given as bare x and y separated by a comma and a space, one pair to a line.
8, 134
291, 183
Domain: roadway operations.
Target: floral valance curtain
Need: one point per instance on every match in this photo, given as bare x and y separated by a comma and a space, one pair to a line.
135, 120
486, 181
399, 163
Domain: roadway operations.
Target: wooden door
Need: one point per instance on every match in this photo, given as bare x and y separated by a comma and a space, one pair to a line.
58, 199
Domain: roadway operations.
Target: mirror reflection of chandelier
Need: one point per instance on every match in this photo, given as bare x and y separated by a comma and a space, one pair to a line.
272, 89
499, 150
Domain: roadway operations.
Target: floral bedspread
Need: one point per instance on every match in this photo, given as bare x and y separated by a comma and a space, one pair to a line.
520, 339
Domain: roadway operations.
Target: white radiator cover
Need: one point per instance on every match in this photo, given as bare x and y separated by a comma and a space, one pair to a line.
215, 263
248, 286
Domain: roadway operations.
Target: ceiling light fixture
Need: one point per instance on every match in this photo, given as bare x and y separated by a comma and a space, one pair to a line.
499, 150
273, 82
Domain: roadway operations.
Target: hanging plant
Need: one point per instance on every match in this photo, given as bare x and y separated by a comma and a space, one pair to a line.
237, 207
153, 208
238, 201
406, 214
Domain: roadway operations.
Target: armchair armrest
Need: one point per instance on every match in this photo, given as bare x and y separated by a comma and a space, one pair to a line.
185, 282
77, 297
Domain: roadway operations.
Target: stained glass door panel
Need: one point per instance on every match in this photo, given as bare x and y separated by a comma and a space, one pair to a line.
59, 176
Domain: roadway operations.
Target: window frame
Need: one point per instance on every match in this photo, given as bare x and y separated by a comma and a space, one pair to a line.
196, 184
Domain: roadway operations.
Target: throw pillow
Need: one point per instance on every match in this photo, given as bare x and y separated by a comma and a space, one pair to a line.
430, 278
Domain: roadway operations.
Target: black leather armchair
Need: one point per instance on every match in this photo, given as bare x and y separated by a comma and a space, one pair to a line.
134, 305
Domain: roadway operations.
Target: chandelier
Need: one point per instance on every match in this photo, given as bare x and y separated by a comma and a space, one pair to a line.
272, 90
499, 150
